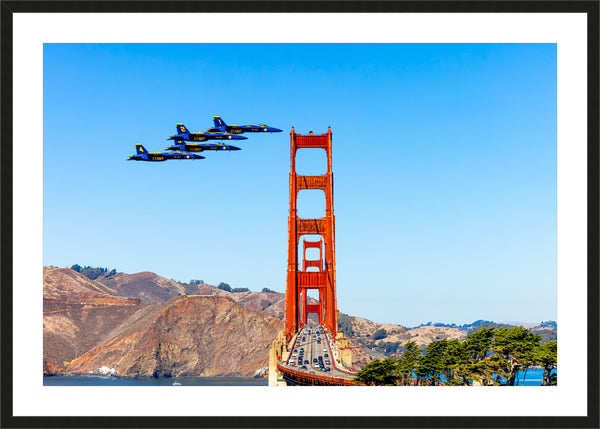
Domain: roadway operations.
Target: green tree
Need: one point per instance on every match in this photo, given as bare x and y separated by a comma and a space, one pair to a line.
224, 286
431, 364
455, 356
378, 373
92, 273
517, 346
407, 363
76, 267
477, 345
545, 356
486, 372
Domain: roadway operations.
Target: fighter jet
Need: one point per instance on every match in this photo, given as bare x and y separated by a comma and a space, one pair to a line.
184, 134
220, 125
143, 155
181, 145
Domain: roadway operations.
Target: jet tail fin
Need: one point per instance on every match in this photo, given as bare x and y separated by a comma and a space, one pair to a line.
179, 143
141, 151
219, 123
181, 129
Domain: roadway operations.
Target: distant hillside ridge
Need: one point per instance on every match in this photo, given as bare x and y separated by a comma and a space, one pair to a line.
152, 288
380, 340
471, 327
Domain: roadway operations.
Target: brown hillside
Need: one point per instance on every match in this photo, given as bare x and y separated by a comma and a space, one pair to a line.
63, 285
152, 288
271, 304
147, 286
77, 314
188, 335
424, 335
363, 327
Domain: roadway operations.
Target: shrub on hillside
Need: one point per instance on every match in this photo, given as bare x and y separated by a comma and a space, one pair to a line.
224, 286
379, 334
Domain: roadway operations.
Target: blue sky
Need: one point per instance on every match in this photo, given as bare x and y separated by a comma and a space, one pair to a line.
444, 161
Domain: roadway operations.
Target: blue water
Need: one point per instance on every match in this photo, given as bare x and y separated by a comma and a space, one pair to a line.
533, 377
84, 380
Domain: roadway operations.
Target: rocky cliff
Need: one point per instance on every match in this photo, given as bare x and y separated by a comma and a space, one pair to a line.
187, 335
78, 315
89, 325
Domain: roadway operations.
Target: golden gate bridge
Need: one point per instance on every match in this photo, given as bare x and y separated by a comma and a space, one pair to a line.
298, 355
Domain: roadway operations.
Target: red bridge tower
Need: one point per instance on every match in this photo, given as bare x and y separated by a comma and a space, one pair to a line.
299, 282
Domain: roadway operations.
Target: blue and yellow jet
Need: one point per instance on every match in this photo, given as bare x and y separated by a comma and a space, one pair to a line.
220, 125
181, 145
184, 134
143, 155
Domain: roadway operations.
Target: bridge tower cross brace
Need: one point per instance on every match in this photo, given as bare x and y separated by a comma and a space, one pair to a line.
300, 281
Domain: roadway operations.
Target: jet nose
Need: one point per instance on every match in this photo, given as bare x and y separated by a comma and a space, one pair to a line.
234, 148
275, 130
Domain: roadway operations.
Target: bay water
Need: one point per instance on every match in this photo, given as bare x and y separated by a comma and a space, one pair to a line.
533, 377
91, 380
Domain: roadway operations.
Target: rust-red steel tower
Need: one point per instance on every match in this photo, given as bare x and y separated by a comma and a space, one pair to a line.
300, 281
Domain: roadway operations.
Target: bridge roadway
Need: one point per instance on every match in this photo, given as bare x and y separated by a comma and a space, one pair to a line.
311, 353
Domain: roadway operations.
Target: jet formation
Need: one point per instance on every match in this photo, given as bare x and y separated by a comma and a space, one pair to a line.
186, 142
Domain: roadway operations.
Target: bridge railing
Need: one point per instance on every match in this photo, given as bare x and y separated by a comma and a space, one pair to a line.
314, 378
340, 366
345, 368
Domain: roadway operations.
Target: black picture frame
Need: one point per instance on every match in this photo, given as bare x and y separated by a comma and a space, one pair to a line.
7, 11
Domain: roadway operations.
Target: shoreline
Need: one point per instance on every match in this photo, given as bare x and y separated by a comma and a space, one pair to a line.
123, 377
